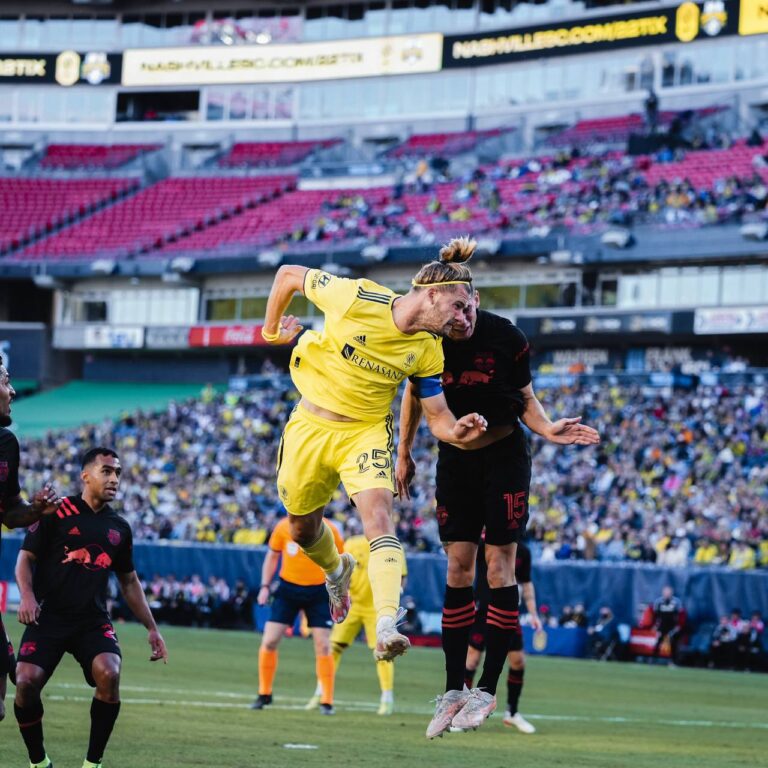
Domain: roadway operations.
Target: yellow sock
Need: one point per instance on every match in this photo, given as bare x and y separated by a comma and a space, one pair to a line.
323, 551
386, 673
385, 571
336, 651
325, 670
267, 669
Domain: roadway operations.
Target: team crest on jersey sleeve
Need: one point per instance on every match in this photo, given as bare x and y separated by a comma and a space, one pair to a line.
114, 537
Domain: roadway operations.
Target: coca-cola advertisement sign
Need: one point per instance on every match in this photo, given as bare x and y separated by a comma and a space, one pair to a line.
226, 336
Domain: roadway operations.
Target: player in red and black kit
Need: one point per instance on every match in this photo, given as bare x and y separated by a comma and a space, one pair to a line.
15, 512
483, 485
63, 571
516, 655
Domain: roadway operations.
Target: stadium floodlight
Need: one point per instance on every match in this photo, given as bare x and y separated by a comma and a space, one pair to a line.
103, 266
182, 264
47, 282
488, 246
617, 238
756, 230
374, 252
269, 258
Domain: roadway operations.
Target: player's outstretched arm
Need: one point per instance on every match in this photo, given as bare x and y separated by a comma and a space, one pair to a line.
29, 609
134, 596
563, 432
446, 427
278, 328
20, 513
410, 416
268, 568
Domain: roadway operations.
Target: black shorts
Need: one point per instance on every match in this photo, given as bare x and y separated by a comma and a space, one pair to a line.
7, 659
44, 643
477, 632
487, 488
291, 598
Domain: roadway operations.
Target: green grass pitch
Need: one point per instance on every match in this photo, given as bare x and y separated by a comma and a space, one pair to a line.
195, 712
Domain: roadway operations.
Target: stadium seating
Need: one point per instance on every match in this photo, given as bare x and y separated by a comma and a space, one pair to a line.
442, 144
33, 207
170, 209
71, 157
271, 154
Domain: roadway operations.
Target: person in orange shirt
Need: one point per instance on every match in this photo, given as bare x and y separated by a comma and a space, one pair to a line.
301, 587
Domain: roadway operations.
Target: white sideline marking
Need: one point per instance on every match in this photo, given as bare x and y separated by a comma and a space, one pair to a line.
360, 706
300, 746
217, 694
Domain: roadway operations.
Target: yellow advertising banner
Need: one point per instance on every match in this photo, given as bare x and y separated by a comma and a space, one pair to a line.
337, 59
753, 17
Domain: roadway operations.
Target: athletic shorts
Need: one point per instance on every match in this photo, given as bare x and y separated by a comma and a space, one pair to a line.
43, 644
487, 488
7, 658
344, 634
477, 633
316, 453
290, 598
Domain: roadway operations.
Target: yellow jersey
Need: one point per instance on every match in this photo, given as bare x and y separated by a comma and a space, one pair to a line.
359, 586
356, 363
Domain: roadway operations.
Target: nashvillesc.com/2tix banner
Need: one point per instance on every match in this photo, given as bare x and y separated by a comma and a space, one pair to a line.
300, 62
682, 23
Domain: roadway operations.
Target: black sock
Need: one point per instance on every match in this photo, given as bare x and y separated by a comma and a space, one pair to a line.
30, 720
458, 617
103, 716
469, 677
502, 621
514, 688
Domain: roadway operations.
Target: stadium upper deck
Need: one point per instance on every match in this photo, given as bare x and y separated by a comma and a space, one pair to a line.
376, 66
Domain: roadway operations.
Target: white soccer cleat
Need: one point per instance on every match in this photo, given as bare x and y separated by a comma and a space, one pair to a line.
389, 642
479, 706
446, 708
338, 589
519, 722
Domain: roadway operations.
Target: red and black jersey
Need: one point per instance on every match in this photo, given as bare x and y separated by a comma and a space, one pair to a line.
76, 550
9, 469
486, 373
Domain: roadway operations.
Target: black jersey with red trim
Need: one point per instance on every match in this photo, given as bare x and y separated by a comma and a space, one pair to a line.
76, 549
9, 470
486, 373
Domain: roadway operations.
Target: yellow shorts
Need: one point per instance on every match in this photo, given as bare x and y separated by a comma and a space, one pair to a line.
316, 453
346, 632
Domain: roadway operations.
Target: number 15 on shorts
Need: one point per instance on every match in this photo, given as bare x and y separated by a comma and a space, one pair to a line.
516, 508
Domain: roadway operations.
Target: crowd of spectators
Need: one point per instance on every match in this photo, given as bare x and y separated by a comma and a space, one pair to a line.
679, 477
581, 190
191, 602
737, 643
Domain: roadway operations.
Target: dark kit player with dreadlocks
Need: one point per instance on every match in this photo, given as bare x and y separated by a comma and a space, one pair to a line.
482, 485
342, 428
63, 570
15, 512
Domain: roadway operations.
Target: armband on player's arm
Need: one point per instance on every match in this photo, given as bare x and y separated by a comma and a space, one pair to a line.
426, 386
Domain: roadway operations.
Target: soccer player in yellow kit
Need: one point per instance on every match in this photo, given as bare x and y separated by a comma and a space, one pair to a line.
342, 429
362, 615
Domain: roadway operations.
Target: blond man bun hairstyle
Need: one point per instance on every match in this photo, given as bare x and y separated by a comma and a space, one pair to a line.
450, 267
458, 250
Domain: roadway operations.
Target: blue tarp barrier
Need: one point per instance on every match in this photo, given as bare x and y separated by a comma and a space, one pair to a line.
707, 593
